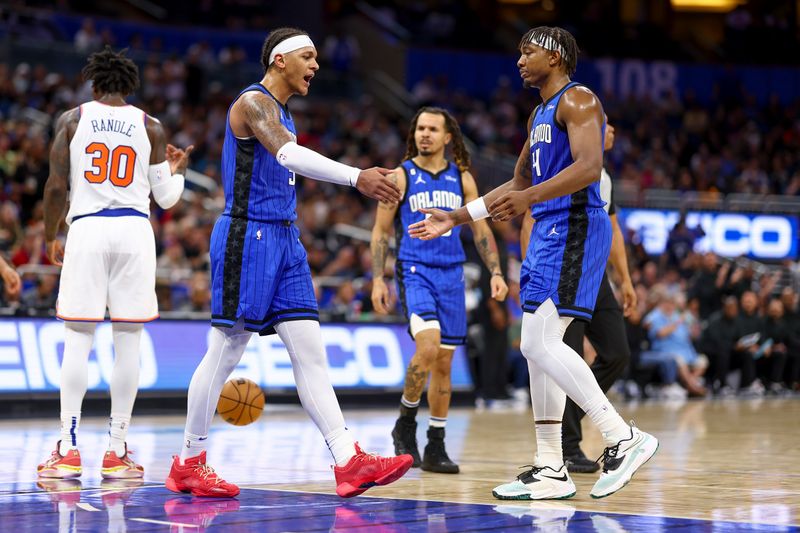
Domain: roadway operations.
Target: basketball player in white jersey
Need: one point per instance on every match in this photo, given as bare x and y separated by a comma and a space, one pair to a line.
113, 156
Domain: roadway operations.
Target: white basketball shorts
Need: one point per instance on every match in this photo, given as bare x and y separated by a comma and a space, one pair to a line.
109, 262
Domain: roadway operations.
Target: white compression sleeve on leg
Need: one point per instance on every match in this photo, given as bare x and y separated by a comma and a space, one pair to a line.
124, 381
543, 343
78, 339
315, 166
165, 186
303, 340
225, 349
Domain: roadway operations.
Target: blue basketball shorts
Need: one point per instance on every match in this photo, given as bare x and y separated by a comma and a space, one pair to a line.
565, 261
259, 273
434, 293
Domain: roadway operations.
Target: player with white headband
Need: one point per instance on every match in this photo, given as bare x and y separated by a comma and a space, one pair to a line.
260, 278
557, 176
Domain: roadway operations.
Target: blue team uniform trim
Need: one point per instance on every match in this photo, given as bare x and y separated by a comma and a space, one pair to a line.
117, 212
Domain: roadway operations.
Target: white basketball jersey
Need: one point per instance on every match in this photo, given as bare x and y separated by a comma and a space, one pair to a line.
109, 159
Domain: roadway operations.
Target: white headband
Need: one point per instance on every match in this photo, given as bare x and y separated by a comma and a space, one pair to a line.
547, 42
290, 45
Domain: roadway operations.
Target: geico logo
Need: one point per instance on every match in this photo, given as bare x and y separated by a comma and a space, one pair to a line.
367, 355
31, 357
730, 235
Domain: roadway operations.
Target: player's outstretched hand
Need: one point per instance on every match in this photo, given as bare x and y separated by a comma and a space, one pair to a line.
509, 206
10, 279
436, 224
499, 288
55, 252
375, 183
380, 297
178, 159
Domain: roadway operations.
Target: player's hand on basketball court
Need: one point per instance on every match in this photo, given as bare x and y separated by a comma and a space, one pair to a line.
377, 184
11, 279
55, 252
436, 224
499, 288
380, 297
178, 158
629, 298
509, 205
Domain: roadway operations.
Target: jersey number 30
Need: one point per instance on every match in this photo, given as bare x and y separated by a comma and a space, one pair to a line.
120, 169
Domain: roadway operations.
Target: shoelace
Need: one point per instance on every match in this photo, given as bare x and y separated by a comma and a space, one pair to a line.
611, 451
207, 472
608, 454
532, 470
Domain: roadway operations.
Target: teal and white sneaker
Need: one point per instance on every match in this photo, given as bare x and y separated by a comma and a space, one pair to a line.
538, 483
622, 460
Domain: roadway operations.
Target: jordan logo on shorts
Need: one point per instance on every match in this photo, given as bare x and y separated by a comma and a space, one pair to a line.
553, 231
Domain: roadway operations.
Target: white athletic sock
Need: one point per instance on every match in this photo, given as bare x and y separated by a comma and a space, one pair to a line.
603, 414
542, 343
342, 446
124, 382
78, 339
70, 421
303, 340
408, 403
437, 422
117, 431
548, 445
548, 401
193, 445
225, 349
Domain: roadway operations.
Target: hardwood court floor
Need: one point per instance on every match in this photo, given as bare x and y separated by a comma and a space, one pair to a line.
721, 461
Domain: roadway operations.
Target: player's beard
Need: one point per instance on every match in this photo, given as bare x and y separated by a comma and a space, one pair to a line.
425, 151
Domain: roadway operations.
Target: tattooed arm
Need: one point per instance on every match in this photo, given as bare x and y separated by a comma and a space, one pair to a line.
55, 190
379, 245
484, 241
256, 114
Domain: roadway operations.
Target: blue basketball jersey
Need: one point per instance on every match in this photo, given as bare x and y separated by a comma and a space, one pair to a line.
256, 186
442, 190
551, 153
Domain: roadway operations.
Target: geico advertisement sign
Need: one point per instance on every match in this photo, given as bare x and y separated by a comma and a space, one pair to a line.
358, 356
726, 234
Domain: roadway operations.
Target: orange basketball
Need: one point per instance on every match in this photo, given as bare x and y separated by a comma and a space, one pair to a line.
241, 401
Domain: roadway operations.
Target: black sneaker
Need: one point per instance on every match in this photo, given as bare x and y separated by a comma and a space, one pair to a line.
404, 436
578, 463
435, 458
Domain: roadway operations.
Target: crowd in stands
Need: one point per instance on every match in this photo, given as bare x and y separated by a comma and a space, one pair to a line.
699, 316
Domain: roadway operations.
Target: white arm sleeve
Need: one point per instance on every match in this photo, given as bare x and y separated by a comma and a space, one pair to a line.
309, 163
165, 186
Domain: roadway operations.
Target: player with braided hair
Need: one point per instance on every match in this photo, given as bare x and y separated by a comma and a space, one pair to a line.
429, 275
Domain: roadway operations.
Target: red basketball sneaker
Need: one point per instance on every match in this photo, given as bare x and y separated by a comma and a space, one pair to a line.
115, 467
61, 466
197, 477
365, 470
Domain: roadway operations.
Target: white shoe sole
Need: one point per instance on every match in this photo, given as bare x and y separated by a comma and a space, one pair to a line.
649, 451
528, 496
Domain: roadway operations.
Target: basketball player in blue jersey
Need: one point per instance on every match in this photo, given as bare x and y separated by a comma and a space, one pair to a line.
261, 281
557, 176
430, 277
606, 331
